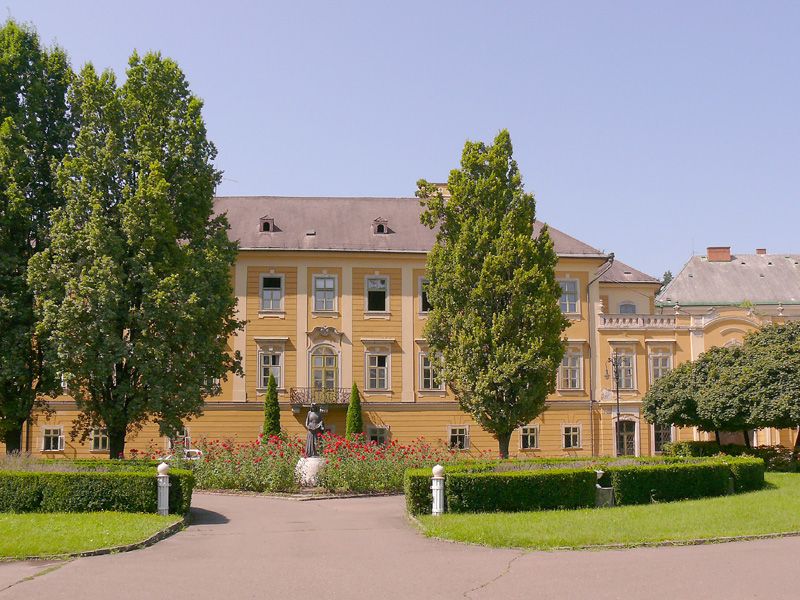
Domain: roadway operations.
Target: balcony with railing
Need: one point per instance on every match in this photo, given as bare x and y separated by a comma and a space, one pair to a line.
306, 396
636, 322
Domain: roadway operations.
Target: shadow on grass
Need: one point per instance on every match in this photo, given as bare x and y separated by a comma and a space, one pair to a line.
201, 516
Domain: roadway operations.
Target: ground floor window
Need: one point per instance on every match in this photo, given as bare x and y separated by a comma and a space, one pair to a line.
572, 436
181, 441
53, 439
99, 439
378, 434
459, 437
662, 434
529, 437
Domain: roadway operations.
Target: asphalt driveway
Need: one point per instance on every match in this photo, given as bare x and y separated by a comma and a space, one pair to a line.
254, 547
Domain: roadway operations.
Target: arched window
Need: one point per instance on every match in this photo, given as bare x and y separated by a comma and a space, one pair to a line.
627, 308
324, 368
380, 228
266, 226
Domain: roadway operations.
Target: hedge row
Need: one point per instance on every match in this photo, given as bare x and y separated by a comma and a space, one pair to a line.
520, 490
480, 488
776, 458
125, 491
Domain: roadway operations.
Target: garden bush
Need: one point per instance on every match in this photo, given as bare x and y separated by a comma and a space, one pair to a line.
87, 491
748, 472
520, 490
776, 458
642, 484
417, 483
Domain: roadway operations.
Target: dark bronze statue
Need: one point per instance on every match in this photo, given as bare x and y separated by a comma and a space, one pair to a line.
315, 426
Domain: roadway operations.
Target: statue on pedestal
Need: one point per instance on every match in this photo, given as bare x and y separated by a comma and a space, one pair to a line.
315, 426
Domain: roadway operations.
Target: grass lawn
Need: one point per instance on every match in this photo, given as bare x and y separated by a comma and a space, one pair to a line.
47, 534
772, 510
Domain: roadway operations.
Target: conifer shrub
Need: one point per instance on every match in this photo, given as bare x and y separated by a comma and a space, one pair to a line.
355, 420
272, 411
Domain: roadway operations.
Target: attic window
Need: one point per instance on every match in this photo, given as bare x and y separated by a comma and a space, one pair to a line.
380, 226
266, 224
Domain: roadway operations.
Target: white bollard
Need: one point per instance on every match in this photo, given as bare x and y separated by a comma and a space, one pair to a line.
437, 486
163, 488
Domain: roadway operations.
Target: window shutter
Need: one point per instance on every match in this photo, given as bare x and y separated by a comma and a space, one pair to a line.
61, 440
466, 440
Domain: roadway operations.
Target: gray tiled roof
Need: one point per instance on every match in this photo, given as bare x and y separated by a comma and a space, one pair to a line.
622, 273
756, 278
346, 224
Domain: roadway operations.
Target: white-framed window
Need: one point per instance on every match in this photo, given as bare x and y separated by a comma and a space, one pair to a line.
272, 292
627, 369
182, 440
571, 436
99, 439
662, 434
428, 374
529, 437
378, 434
324, 293
569, 301
424, 303
377, 299
627, 308
570, 373
660, 364
627, 437
458, 437
53, 439
378, 369
270, 361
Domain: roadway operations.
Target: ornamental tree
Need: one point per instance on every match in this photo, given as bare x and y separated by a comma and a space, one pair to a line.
355, 420
272, 411
35, 131
768, 376
495, 319
134, 293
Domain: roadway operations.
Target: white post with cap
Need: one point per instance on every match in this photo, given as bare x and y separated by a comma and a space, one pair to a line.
437, 487
163, 488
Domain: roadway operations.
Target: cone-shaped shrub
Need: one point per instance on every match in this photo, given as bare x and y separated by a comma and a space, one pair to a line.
272, 412
355, 421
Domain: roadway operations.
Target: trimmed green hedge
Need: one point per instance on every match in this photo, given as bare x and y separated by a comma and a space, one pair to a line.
663, 483
507, 486
514, 491
125, 491
776, 458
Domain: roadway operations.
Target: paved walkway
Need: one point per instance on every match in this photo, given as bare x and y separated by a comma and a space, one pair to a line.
251, 547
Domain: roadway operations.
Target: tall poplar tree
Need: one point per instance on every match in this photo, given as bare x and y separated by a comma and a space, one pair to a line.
135, 292
495, 319
35, 131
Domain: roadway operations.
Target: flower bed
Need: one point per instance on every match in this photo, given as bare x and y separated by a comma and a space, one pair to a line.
777, 458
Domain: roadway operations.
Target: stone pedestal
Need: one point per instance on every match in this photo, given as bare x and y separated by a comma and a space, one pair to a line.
307, 469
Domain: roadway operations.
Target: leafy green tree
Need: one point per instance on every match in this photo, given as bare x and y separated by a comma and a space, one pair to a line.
684, 397
768, 375
355, 420
35, 131
134, 292
495, 317
665, 280
272, 411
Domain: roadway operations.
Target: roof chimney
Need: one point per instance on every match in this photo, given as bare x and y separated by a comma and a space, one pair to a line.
718, 254
761, 251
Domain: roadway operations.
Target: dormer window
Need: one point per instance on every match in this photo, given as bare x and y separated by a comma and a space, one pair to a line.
380, 226
266, 224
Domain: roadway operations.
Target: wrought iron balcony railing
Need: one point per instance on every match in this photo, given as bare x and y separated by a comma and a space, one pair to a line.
306, 396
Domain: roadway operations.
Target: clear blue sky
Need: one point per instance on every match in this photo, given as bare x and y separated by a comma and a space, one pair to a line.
644, 128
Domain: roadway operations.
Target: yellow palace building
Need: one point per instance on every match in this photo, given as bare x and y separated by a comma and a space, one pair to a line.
332, 291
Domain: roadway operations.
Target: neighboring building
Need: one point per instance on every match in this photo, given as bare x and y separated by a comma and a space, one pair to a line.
333, 292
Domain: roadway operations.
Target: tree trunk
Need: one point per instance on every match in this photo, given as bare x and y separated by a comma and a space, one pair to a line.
13, 439
116, 443
716, 437
746, 439
503, 441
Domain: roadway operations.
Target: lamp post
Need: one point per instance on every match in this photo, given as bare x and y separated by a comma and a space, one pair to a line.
615, 362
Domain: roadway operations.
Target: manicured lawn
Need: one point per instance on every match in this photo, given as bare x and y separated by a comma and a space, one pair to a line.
47, 534
772, 510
